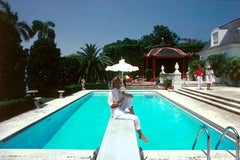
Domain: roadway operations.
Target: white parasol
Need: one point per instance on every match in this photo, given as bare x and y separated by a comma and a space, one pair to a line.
122, 66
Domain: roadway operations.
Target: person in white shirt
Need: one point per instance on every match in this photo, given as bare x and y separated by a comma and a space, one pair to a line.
118, 102
209, 77
127, 103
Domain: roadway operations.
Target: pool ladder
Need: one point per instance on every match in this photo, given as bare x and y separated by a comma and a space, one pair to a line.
208, 140
236, 138
220, 140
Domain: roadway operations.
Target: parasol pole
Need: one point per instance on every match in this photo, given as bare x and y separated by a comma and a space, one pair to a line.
122, 75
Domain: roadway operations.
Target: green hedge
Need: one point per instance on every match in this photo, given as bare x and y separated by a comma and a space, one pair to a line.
11, 108
70, 89
96, 86
53, 93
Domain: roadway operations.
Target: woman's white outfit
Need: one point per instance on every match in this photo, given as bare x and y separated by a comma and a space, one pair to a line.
209, 76
119, 112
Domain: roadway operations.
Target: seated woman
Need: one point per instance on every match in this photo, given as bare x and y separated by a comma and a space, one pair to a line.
118, 101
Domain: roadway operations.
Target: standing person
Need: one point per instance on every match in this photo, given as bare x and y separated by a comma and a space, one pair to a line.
118, 103
199, 75
209, 77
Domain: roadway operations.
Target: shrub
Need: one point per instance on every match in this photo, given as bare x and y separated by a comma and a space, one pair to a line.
218, 63
148, 74
194, 64
96, 86
167, 82
233, 70
70, 89
14, 107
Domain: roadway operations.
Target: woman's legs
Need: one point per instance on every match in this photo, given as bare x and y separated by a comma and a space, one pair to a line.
129, 116
199, 79
208, 86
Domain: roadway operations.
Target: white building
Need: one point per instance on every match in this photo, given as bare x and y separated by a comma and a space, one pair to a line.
224, 39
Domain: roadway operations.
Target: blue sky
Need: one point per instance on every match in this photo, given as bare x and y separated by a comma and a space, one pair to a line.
102, 22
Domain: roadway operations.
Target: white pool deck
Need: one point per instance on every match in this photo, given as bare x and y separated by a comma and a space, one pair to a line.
215, 116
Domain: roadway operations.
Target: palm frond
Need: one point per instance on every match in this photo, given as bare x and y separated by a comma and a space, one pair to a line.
93, 63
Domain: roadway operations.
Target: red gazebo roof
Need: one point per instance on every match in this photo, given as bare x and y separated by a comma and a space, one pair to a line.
167, 52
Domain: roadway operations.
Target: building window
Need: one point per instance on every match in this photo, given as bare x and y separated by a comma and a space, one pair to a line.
238, 30
215, 38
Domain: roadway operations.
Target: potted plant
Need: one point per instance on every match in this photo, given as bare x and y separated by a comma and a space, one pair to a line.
167, 82
170, 88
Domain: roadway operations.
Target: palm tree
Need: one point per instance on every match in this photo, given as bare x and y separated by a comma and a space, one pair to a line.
93, 64
44, 29
7, 15
12, 55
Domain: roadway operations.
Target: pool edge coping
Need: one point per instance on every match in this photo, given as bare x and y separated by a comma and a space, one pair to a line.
10, 128
23, 154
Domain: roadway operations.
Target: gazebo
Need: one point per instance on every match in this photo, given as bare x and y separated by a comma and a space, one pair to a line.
166, 56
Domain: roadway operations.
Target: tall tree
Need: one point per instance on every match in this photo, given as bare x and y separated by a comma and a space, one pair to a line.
93, 64
12, 55
44, 59
191, 45
43, 66
44, 29
159, 34
69, 70
128, 49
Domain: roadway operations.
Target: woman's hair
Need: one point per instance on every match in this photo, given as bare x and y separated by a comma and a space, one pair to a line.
209, 67
114, 80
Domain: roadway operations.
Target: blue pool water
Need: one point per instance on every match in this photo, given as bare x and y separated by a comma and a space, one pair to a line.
81, 125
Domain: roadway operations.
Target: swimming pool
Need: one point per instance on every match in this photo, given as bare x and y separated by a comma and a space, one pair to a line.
81, 125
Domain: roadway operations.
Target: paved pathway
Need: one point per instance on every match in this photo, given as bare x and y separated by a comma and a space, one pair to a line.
222, 91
